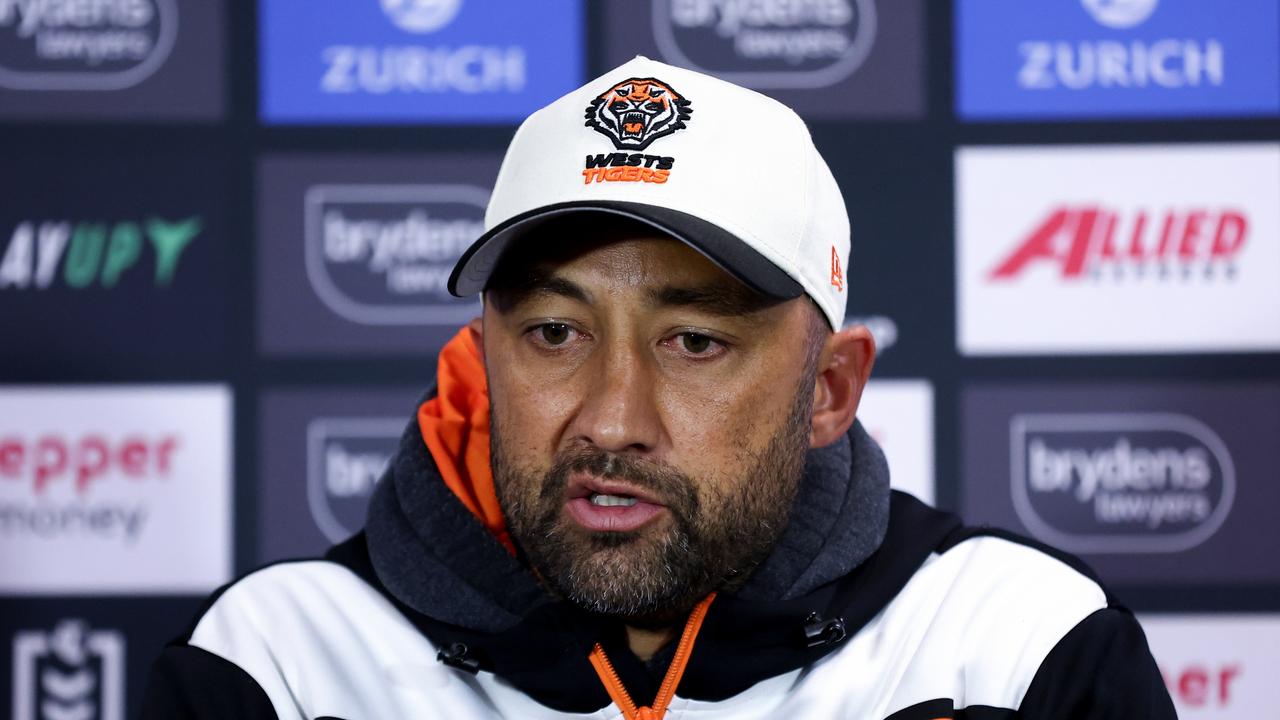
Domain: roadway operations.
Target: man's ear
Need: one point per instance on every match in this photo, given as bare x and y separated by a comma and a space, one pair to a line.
843, 369
476, 327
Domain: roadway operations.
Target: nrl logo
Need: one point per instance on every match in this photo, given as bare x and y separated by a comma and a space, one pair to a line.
637, 111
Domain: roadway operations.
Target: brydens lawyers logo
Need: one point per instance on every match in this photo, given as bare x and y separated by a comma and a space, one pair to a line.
632, 114
1095, 242
1120, 483
345, 459
70, 673
382, 254
52, 253
767, 43
76, 45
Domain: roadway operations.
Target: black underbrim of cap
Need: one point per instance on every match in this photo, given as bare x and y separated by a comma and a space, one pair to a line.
725, 249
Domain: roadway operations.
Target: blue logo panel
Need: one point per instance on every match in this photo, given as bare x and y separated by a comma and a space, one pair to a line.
1116, 58
416, 61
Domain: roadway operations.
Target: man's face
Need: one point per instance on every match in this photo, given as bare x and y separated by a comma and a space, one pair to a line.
650, 418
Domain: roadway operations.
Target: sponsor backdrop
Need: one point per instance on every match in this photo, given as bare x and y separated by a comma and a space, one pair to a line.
226, 227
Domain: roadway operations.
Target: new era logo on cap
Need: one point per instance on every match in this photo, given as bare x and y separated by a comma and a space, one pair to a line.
725, 169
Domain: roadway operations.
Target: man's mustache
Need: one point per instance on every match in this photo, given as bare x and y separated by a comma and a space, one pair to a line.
676, 489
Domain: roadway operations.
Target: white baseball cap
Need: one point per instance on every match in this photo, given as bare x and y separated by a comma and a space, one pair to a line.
730, 172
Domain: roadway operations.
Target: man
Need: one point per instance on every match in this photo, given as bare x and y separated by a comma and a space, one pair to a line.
639, 488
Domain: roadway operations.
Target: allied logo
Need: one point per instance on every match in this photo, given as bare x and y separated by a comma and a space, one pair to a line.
421, 16
74, 45
382, 254
1120, 482
768, 43
1095, 242
70, 673
345, 459
1096, 249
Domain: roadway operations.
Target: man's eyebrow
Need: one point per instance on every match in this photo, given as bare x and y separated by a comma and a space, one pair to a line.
719, 299
541, 284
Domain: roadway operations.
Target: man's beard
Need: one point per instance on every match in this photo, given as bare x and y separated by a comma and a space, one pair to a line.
718, 531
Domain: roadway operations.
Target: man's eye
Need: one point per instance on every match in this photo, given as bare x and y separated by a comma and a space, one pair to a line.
695, 343
554, 333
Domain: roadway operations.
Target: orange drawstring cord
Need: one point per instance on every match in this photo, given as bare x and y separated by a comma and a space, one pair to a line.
613, 684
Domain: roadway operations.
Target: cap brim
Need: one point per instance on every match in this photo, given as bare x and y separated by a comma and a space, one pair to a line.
725, 249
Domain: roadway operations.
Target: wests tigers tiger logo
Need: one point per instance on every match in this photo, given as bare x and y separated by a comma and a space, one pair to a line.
637, 111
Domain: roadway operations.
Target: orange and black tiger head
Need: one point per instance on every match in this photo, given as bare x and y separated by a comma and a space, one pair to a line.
637, 111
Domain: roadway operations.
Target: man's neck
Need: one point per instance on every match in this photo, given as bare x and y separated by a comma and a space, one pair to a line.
644, 642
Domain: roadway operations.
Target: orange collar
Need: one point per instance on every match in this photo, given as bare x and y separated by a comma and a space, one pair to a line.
618, 692
455, 427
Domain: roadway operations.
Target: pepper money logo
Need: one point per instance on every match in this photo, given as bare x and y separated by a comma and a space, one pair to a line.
78, 45
767, 43
633, 114
93, 252
345, 459
71, 673
382, 254
1120, 483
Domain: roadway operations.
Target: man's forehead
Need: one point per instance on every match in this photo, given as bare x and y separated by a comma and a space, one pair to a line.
647, 260
626, 257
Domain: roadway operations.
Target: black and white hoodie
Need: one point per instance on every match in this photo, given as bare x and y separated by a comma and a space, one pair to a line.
872, 605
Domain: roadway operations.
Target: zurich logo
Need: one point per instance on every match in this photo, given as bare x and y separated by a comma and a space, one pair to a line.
1120, 14
421, 16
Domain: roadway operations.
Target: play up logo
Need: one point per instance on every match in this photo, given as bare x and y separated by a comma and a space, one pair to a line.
1118, 249
114, 489
72, 672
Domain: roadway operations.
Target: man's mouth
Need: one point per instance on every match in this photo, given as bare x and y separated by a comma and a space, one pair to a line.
603, 500
600, 505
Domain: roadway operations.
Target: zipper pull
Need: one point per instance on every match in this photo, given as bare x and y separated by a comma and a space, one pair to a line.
455, 656
819, 632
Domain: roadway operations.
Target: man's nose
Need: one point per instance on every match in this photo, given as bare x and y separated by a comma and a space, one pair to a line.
619, 412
